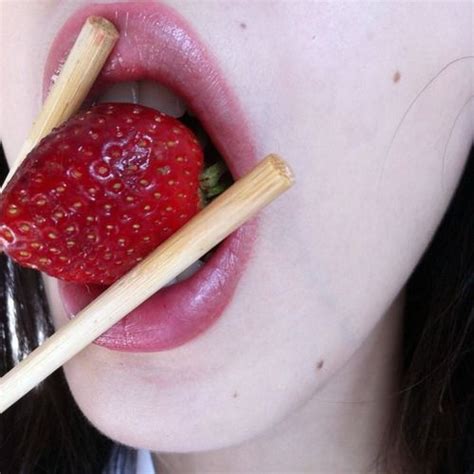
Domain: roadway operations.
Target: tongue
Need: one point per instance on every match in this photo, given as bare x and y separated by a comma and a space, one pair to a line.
148, 93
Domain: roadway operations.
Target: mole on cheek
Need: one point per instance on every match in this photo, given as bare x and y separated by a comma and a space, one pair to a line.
320, 364
235, 395
243, 25
396, 76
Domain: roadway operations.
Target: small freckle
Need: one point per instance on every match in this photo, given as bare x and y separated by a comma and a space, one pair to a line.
243, 25
235, 395
320, 364
396, 76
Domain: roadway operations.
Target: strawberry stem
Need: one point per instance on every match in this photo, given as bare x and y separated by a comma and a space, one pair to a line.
214, 180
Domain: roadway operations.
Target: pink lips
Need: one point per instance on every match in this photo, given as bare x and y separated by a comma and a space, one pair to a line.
156, 43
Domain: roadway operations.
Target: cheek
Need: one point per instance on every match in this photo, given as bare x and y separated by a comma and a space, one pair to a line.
22, 53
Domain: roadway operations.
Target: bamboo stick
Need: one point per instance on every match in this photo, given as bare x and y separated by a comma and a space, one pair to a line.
270, 178
83, 64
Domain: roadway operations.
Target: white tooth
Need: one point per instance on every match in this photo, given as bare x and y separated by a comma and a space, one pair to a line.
190, 271
172, 282
159, 97
121, 92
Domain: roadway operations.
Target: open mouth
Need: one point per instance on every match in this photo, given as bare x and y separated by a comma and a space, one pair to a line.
159, 62
159, 97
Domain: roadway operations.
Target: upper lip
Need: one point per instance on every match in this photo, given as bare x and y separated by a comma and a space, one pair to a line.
165, 50
156, 44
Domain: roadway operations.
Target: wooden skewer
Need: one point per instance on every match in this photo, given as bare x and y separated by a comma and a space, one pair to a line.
240, 202
83, 64
270, 178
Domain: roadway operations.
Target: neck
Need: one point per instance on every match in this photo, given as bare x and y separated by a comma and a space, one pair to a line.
340, 429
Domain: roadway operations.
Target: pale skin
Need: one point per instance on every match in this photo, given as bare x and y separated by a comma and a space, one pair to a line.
299, 375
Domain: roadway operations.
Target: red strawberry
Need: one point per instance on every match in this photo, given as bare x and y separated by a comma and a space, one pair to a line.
101, 192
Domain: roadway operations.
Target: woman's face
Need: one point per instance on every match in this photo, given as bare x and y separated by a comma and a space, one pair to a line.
342, 91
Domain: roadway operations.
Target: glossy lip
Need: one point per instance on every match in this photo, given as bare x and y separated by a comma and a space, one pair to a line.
156, 43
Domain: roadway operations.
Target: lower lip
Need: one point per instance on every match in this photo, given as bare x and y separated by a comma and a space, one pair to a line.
178, 313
